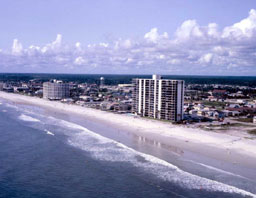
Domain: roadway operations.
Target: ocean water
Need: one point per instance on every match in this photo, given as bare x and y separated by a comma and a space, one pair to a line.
113, 79
44, 154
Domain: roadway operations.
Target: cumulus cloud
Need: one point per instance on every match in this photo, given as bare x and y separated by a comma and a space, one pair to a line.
192, 48
154, 36
188, 29
246, 28
54, 47
206, 58
79, 61
16, 47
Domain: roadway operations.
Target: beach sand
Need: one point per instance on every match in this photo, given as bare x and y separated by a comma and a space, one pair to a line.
224, 147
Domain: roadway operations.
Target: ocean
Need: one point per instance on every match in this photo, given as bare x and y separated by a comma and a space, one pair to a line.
44, 153
113, 79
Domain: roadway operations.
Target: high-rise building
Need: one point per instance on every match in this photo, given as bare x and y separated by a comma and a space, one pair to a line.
56, 90
158, 98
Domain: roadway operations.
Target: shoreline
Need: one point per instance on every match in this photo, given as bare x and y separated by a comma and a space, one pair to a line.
223, 147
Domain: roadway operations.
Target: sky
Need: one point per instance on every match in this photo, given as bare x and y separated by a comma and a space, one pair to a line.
181, 37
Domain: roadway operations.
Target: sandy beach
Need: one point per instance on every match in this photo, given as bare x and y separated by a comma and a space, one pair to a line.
225, 147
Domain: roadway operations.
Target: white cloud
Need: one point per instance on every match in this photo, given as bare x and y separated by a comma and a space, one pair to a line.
221, 51
104, 44
206, 58
193, 46
57, 42
16, 47
244, 28
127, 44
60, 59
161, 56
188, 29
213, 30
129, 60
53, 47
79, 61
174, 61
153, 35
78, 46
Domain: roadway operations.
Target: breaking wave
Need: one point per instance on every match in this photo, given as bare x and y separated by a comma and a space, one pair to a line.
49, 132
28, 118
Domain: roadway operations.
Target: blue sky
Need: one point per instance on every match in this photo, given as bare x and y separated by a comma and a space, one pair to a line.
118, 36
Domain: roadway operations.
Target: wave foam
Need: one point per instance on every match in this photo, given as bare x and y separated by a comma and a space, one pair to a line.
11, 106
222, 171
110, 150
28, 118
49, 132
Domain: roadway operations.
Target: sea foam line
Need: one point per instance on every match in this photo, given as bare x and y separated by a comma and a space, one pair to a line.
223, 171
111, 150
28, 118
49, 132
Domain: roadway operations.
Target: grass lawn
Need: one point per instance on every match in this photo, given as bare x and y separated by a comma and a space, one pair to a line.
230, 125
223, 127
214, 103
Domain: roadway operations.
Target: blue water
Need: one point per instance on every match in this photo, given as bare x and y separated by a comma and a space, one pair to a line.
45, 156
114, 79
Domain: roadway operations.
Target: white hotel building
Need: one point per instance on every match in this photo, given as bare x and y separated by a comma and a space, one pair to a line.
56, 90
159, 98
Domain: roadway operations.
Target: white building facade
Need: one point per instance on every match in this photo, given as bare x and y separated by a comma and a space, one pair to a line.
56, 90
159, 98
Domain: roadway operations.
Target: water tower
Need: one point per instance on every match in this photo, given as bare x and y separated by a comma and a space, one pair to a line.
102, 81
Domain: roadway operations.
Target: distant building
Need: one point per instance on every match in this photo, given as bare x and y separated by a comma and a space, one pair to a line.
124, 85
21, 89
1, 86
7, 88
56, 90
254, 119
159, 98
218, 93
102, 81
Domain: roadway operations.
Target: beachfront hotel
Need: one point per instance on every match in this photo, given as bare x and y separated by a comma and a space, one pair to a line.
56, 90
158, 98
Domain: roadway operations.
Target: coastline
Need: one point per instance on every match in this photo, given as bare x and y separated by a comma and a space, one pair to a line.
223, 147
